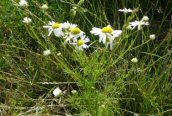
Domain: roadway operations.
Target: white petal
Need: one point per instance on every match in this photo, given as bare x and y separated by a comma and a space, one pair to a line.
58, 32
57, 92
86, 40
67, 40
134, 23
85, 46
47, 26
73, 25
116, 33
50, 31
96, 31
145, 23
104, 38
82, 37
101, 37
51, 23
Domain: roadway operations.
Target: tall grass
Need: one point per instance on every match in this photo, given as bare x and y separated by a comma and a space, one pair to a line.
106, 81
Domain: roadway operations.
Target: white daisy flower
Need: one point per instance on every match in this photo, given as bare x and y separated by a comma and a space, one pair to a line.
67, 29
46, 52
68, 26
125, 10
75, 33
139, 23
26, 20
57, 92
152, 36
56, 28
106, 35
23, 3
44, 7
81, 43
134, 60
136, 23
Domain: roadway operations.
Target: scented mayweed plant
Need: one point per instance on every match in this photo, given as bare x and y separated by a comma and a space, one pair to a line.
56, 28
125, 10
106, 35
81, 43
70, 32
72, 58
139, 24
68, 28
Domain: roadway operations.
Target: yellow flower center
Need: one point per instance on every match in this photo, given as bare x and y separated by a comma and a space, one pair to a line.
56, 25
80, 42
107, 29
75, 31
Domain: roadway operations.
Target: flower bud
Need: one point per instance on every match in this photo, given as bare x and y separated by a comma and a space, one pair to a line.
44, 7
145, 18
134, 60
152, 36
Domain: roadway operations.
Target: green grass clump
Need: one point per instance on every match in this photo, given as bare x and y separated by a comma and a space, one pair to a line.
96, 81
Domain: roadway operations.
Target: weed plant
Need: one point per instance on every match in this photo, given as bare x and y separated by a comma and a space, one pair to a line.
96, 81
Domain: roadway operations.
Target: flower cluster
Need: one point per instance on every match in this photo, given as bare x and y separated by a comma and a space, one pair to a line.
70, 32
73, 35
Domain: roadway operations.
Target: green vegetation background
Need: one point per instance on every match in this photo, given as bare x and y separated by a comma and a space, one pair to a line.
107, 82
